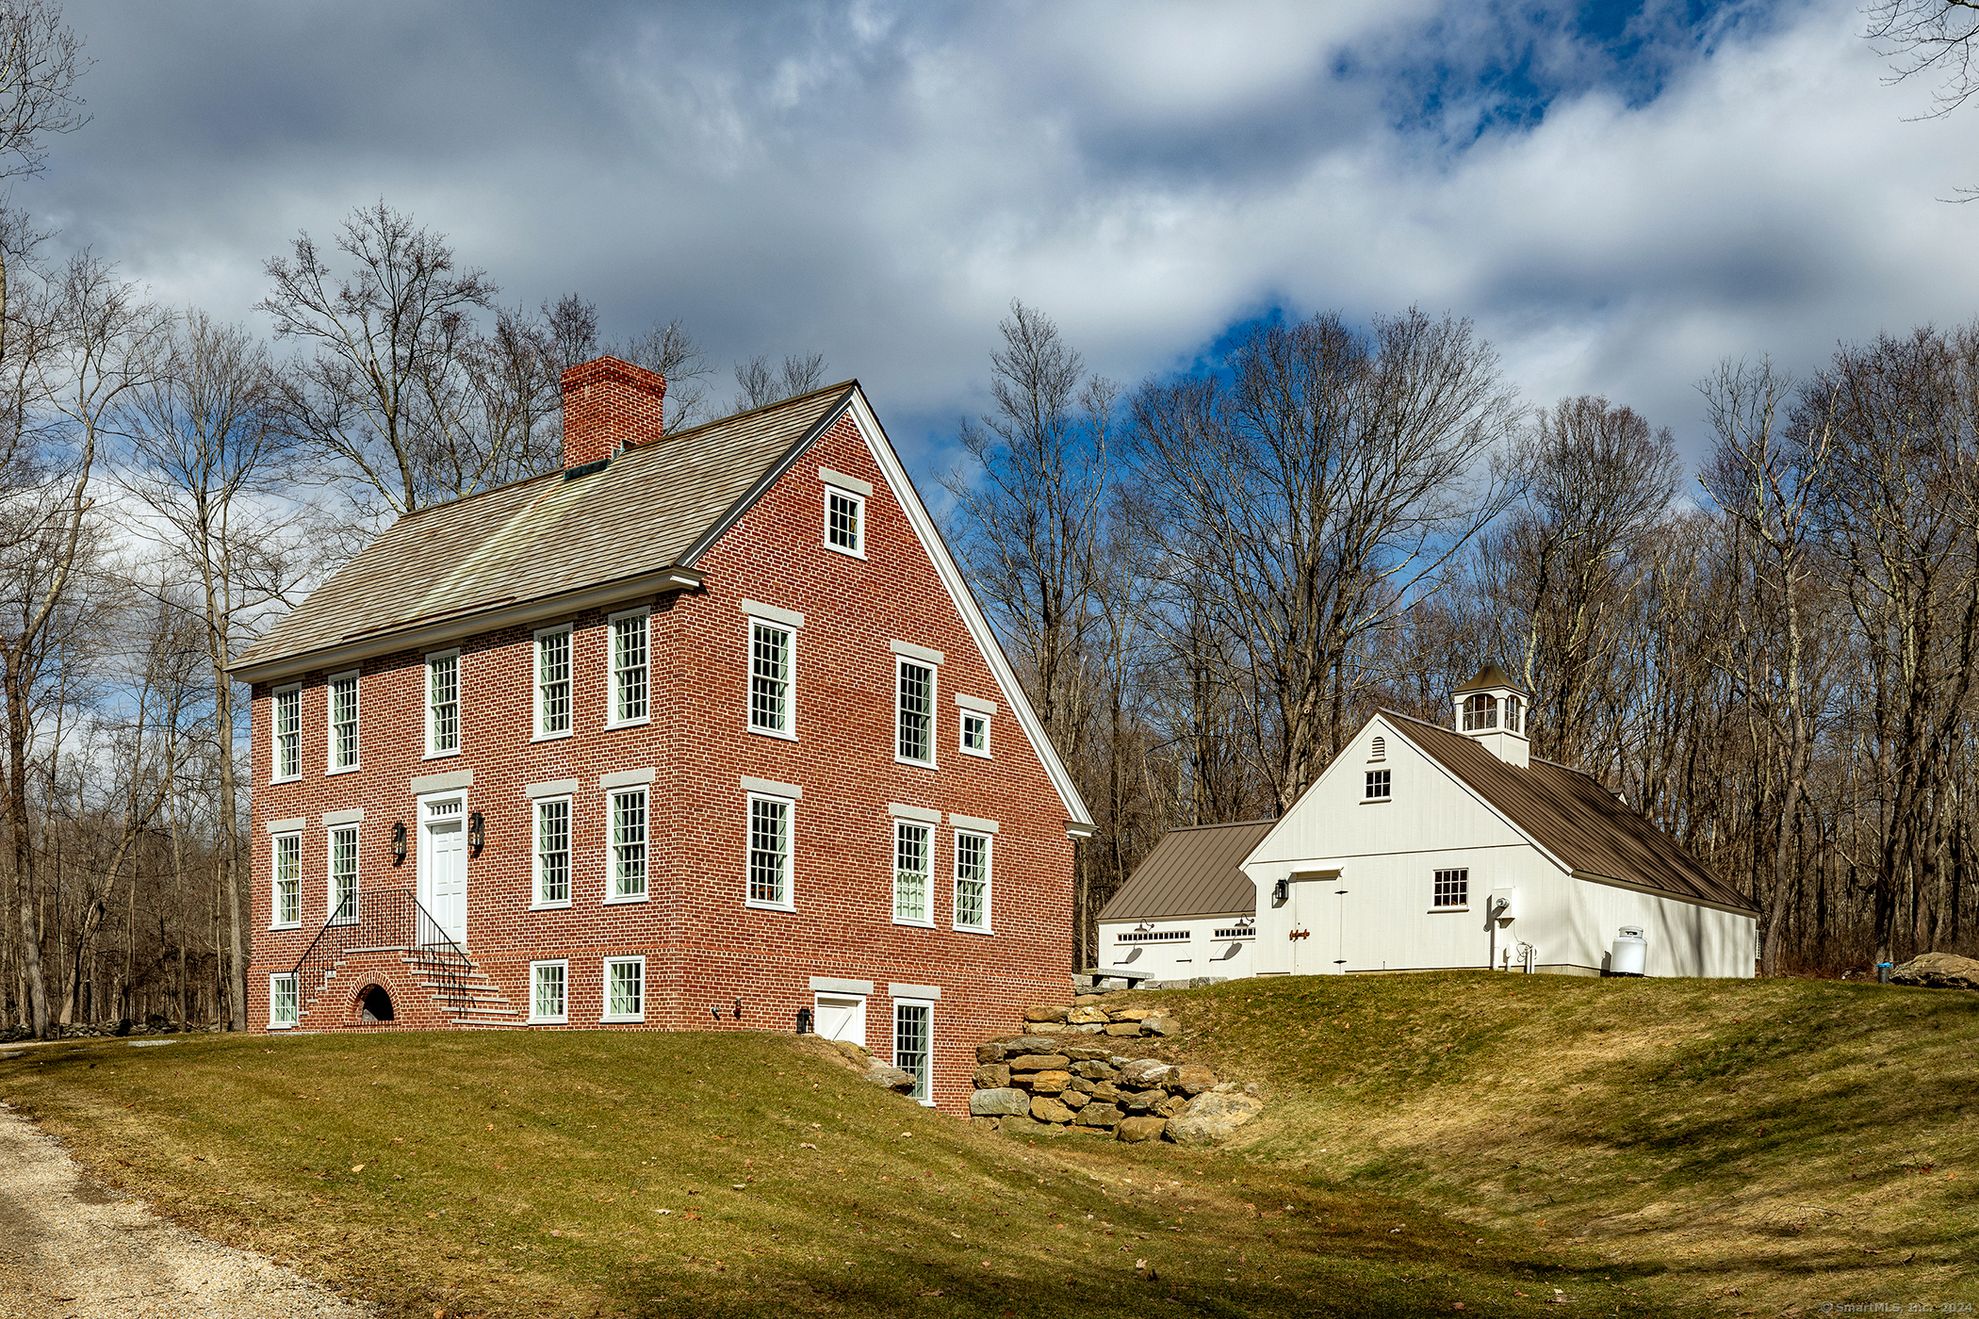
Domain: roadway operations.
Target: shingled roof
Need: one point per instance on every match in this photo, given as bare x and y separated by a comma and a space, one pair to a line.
650, 509
1192, 872
1569, 814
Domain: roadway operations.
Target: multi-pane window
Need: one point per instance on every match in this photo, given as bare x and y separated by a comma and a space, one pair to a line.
914, 712
913, 872
552, 851
553, 682
287, 905
628, 844
769, 851
913, 1034
1453, 888
972, 881
343, 721
1378, 785
625, 988
343, 874
549, 991
288, 733
283, 1008
630, 649
975, 732
845, 521
1480, 712
442, 704
1514, 715
769, 677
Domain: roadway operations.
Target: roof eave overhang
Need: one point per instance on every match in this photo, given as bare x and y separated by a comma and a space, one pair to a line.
457, 627
1595, 877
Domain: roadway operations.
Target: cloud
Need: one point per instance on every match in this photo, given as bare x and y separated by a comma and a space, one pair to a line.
1616, 205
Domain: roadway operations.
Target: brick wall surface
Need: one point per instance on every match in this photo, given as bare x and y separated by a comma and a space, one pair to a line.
704, 948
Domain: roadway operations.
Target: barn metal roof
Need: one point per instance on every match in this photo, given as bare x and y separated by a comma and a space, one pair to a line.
645, 511
1569, 814
1192, 872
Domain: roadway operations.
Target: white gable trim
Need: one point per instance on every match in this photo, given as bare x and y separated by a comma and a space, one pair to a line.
1395, 729
1079, 821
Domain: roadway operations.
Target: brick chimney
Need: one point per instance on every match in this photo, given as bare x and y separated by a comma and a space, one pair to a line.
609, 405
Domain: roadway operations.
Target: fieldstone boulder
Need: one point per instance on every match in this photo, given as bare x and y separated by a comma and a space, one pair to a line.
1094, 1071
1044, 1012
1074, 1099
989, 1053
1142, 1101
1132, 1014
1212, 1117
1098, 1115
1087, 1016
1192, 1079
1003, 1102
1938, 971
893, 1078
1173, 1105
1088, 1053
1124, 1028
1046, 1109
1104, 1091
991, 1076
1028, 1044
1161, 1025
1049, 1082
1146, 1073
1134, 1130
1039, 1062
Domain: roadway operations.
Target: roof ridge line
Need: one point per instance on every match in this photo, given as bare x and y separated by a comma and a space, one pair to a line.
850, 382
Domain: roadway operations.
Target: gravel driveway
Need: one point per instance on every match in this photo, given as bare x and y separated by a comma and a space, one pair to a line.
70, 1248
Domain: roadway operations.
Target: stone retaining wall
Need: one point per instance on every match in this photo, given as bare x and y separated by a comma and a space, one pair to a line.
1055, 1079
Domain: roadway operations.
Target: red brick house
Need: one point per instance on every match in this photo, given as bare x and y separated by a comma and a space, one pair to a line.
704, 730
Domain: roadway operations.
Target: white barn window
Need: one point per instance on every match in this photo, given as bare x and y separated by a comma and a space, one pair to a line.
1480, 712
1379, 784
1452, 888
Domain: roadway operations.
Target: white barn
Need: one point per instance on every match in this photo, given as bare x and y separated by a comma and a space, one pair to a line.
1423, 848
1188, 911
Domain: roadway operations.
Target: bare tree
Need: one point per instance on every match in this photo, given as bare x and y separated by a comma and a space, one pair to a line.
382, 391
1316, 493
203, 434
758, 383
1930, 38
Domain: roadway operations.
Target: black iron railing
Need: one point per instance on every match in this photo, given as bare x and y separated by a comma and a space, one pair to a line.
386, 920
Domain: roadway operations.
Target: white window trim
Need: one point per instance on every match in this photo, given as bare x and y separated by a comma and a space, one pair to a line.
605, 982
1387, 782
933, 666
789, 852
330, 765
611, 849
929, 1004
989, 882
460, 706
788, 733
611, 668
275, 696
962, 733
274, 876
926, 922
536, 733
562, 1018
331, 829
273, 1024
858, 501
536, 900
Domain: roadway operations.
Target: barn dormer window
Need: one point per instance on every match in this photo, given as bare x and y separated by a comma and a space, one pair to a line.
1480, 712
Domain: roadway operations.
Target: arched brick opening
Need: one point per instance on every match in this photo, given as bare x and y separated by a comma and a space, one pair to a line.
374, 1004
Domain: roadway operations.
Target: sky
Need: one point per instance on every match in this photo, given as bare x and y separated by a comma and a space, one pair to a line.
1620, 196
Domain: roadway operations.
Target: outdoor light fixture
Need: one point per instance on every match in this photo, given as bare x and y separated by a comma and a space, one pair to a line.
477, 834
738, 1009
803, 1021
1281, 890
398, 843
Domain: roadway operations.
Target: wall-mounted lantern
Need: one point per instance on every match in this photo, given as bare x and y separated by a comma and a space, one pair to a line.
477, 834
803, 1021
398, 843
1281, 890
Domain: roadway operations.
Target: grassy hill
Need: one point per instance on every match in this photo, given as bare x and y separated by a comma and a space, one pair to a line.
1641, 1147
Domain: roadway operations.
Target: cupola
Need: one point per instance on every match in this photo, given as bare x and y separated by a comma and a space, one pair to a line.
1491, 708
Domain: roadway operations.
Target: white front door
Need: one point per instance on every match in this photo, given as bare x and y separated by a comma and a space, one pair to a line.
443, 865
1319, 925
842, 1017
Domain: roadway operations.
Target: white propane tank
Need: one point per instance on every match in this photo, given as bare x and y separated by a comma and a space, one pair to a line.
1629, 953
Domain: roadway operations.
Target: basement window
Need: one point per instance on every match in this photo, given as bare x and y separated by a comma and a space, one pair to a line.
913, 1044
549, 987
625, 989
283, 1008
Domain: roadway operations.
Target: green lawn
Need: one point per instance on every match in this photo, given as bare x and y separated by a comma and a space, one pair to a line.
1642, 1147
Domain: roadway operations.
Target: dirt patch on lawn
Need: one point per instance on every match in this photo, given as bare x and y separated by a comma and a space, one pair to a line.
70, 1247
